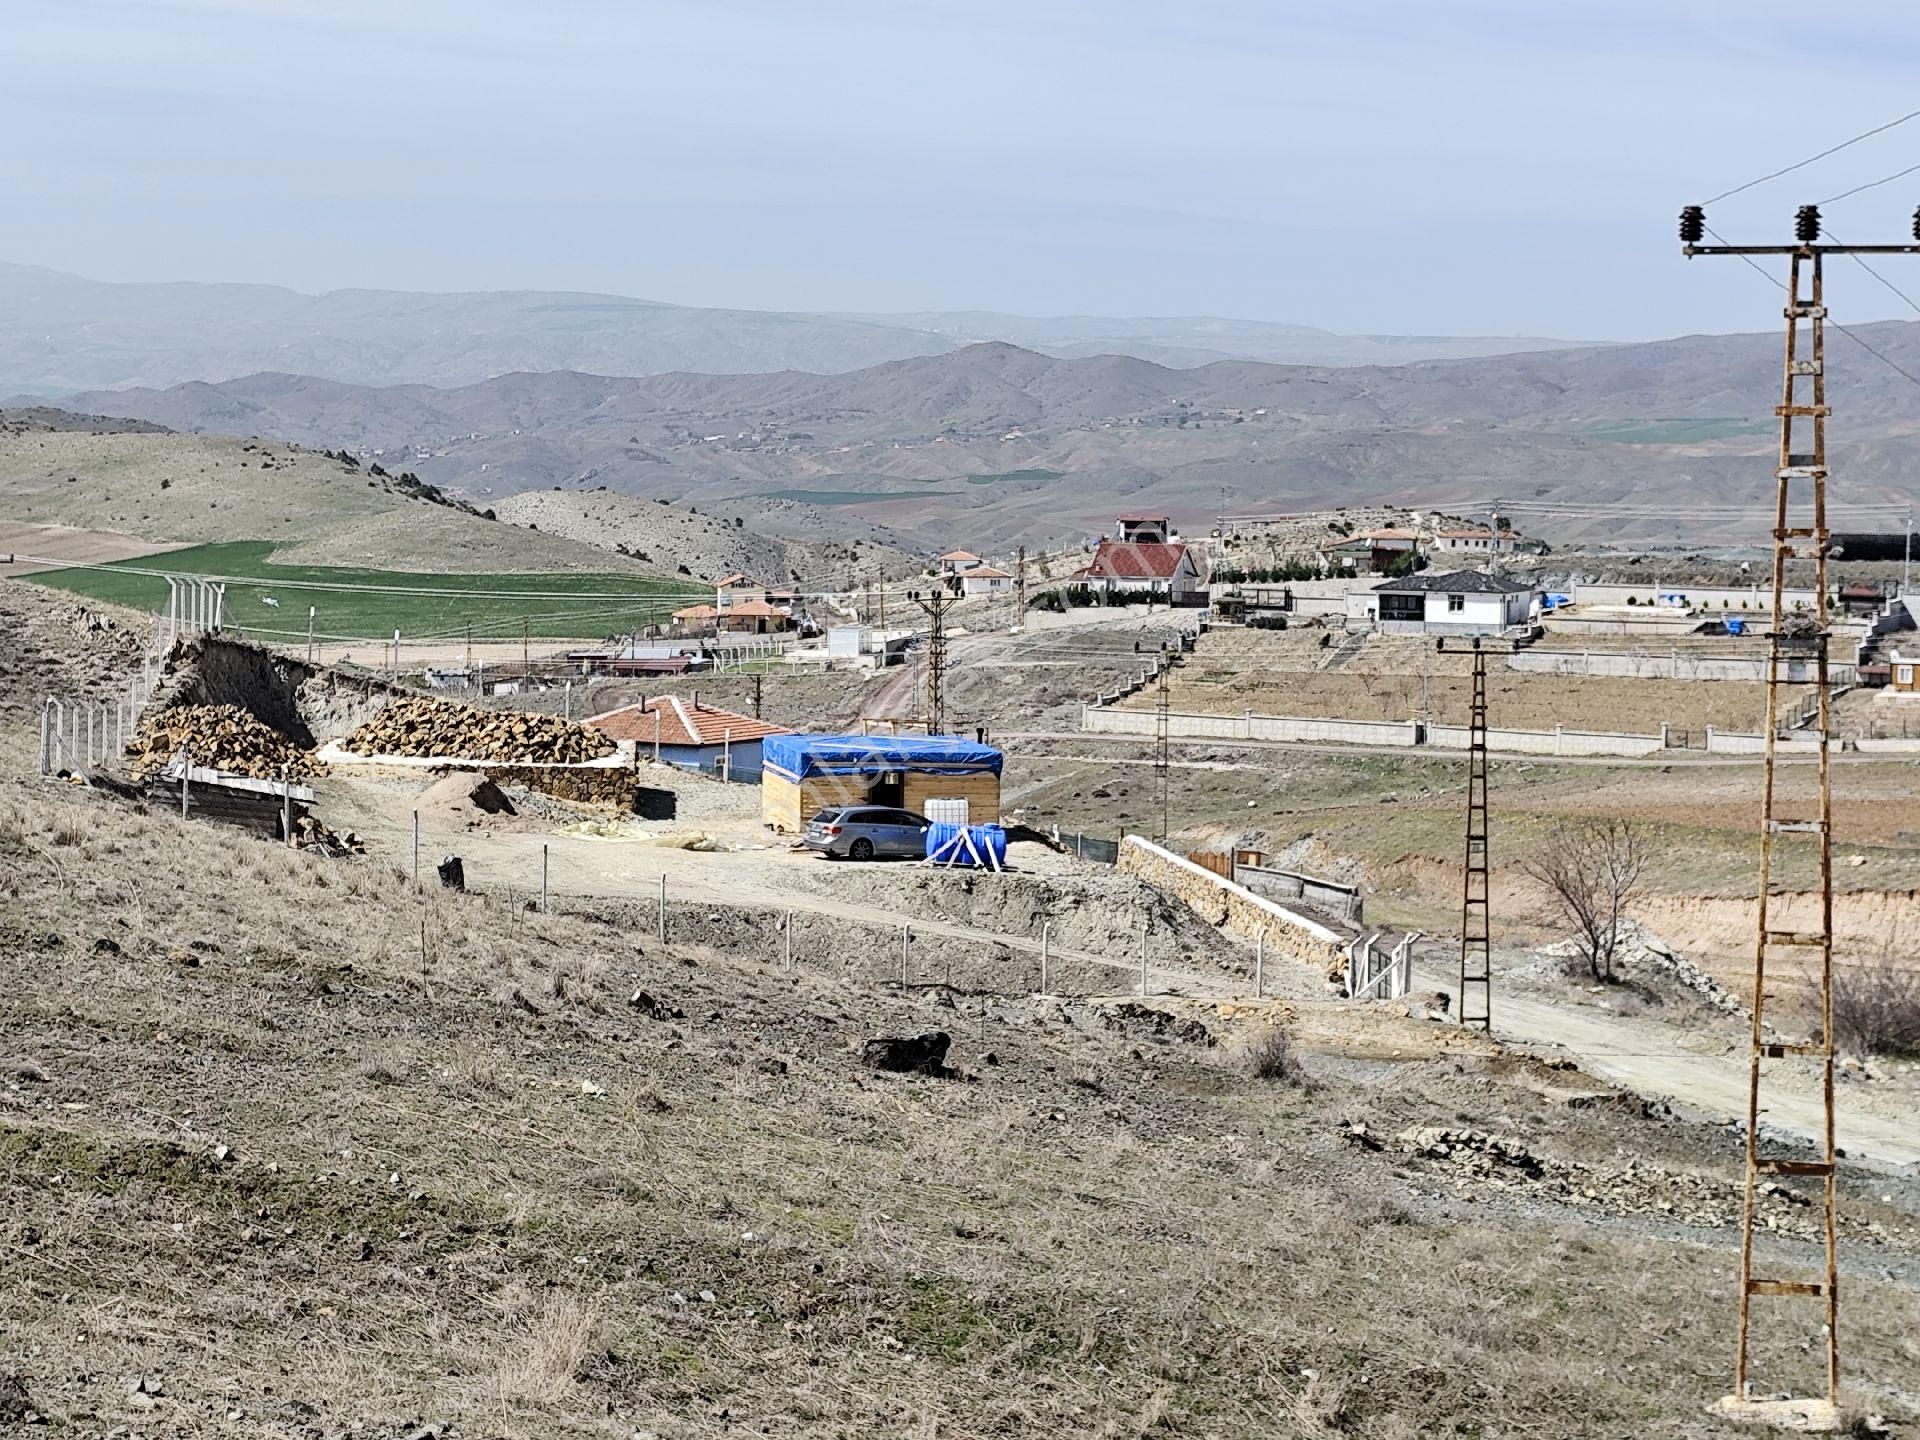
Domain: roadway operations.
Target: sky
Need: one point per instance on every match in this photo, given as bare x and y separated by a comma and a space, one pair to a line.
1458, 167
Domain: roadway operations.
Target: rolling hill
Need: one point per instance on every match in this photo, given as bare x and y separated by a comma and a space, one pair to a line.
60, 333
994, 443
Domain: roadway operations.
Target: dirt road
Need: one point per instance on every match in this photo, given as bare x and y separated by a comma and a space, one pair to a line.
1650, 1059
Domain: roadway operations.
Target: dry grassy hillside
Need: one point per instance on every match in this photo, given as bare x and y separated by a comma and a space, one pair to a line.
293, 1152
196, 488
710, 545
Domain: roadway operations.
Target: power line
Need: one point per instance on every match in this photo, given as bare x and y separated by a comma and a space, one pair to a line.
1802, 164
1779, 284
1871, 185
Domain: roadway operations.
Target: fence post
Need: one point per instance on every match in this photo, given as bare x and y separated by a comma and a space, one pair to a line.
1143, 959
787, 932
663, 907
1046, 941
186, 778
1260, 965
543, 877
416, 849
906, 940
286, 816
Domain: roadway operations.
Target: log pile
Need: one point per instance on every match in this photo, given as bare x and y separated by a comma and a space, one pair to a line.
218, 737
422, 727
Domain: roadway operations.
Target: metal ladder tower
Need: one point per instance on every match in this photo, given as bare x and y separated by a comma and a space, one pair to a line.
936, 603
1476, 939
1797, 654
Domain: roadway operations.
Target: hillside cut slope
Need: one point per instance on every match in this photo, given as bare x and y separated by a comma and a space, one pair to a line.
710, 546
195, 489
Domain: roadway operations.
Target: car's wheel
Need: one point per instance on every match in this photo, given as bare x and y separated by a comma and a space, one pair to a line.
860, 850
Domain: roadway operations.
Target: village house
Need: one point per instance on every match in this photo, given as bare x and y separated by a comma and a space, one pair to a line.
1144, 559
1464, 602
985, 580
1372, 552
740, 617
679, 730
956, 562
1903, 673
1471, 542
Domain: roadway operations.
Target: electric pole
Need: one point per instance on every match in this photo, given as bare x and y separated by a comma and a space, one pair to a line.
759, 678
1020, 588
1797, 654
1906, 556
1162, 761
1476, 908
935, 603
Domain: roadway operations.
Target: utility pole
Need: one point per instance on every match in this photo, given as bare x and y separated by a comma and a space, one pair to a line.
1906, 556
1020, 588
1476, 919
935, 602
1797, 653
526, 654
758, 679
1162, 763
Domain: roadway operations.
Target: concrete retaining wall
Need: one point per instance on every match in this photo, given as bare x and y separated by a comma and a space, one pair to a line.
1671, 666
1344, 732
1723, 742
1325, 895
1558, 741
1737, 597
1234, 908
1894, 745
1400, 734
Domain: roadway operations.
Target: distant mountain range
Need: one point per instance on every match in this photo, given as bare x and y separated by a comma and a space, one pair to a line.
60, 333
992, 443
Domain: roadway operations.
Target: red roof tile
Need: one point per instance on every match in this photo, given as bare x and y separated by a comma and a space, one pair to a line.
682, 722
1134, 560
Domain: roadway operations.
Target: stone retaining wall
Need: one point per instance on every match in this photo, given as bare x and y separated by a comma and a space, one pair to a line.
1234, 908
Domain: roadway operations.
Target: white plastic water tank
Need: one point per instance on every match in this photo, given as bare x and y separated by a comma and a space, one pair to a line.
947, 812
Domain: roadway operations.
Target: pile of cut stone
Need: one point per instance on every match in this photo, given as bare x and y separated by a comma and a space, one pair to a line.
1483, 1164
420, 727
1644, 955
218, 737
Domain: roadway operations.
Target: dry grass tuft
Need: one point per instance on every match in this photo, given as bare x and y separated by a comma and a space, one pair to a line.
561, 1334
1267, 1054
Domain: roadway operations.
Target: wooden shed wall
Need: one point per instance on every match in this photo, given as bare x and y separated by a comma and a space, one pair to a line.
787, 806
981, 792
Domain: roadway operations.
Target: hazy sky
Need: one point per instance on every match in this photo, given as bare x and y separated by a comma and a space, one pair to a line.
1412, 166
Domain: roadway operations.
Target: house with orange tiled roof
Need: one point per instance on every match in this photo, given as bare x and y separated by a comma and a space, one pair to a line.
679, 730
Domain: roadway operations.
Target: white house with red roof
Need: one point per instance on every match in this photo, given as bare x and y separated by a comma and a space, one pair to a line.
679, 730
1146, 558
958, 562
985, 580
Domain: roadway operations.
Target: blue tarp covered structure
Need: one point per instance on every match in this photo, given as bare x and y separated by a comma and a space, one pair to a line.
800, 757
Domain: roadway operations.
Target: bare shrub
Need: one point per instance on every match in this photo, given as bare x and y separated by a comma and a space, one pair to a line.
1591, 870
1876, 1008
1267, 1054
560, 1335
385, 1066
69, 833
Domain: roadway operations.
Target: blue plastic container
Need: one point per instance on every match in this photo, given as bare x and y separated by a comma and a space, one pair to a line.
943, 843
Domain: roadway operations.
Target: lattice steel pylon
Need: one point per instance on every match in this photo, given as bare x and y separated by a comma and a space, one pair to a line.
1476, 921
1797, 644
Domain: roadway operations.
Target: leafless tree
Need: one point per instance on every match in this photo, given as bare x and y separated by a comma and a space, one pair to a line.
1876, 1008
1591, 869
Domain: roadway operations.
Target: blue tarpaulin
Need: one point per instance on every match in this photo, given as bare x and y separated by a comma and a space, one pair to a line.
800, 756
